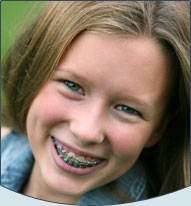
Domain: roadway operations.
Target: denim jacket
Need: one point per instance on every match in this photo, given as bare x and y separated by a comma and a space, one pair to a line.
17, 161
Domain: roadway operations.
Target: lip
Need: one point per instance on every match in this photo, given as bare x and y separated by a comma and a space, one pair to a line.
79, 152
71, 169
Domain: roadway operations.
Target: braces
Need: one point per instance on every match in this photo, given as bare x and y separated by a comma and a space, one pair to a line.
71, 159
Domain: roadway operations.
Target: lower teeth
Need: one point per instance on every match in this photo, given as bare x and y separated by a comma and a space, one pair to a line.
71, 160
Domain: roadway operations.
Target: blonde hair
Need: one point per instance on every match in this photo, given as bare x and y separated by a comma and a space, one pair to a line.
33, 58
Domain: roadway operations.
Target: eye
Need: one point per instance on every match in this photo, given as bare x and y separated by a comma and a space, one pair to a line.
128, 110
73, 86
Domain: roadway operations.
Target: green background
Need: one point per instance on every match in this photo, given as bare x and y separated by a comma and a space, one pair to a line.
13, 13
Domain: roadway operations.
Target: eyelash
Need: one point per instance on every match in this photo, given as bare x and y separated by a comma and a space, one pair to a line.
128, 110
73, 85
77, 88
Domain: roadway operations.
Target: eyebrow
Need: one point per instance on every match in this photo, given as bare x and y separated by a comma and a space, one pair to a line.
144, 106
73, 74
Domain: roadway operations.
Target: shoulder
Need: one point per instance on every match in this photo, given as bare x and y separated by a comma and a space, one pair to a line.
11, 139
16, 159
13, 145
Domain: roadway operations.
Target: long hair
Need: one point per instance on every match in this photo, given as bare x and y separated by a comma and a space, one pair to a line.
33, 58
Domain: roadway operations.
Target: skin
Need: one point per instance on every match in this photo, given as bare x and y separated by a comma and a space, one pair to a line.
4, 131
111, 72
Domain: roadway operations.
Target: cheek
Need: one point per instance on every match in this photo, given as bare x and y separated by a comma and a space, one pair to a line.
128, 141
48, 108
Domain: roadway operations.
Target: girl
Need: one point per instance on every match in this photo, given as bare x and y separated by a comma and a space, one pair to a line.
97, 97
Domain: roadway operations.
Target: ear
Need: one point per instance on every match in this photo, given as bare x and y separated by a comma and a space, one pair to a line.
157, 134
155, 137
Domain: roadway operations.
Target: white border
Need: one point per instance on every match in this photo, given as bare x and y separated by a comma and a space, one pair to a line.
179, 198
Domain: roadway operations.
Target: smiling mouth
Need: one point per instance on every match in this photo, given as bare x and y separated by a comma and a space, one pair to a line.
73, 159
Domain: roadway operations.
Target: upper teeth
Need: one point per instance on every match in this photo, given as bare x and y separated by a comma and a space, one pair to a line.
71, 155
73, 160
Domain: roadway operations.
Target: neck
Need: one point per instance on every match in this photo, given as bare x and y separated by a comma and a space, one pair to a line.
36, 187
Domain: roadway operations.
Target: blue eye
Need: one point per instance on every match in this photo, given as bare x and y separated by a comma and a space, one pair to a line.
73, 86
127, 109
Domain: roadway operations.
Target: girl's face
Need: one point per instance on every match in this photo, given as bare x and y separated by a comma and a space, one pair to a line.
102, 106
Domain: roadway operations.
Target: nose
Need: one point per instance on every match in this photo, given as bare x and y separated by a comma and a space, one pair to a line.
87, 126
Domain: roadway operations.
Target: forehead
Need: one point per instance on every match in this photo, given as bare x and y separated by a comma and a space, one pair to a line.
125, 65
